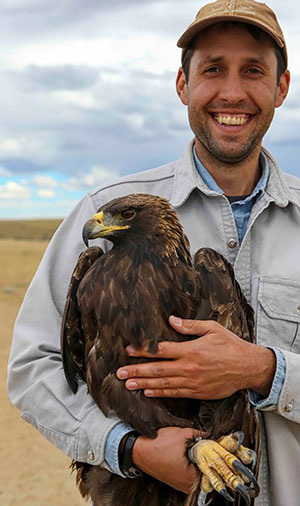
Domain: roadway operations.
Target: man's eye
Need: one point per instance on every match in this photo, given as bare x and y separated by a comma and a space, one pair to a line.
212, 70
254, 70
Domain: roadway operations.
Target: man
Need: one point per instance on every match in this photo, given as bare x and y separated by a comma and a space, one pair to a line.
230, 195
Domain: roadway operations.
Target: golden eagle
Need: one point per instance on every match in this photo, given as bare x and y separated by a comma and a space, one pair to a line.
125, 296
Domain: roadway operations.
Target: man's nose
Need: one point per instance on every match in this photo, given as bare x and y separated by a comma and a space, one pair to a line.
233, 89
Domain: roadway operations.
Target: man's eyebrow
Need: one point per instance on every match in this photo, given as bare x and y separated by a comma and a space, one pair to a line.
219, 59
213, 59
260, 60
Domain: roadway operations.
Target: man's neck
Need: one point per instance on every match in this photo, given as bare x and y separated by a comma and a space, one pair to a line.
234, 179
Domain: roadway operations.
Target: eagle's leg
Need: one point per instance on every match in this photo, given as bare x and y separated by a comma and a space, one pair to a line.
221, 468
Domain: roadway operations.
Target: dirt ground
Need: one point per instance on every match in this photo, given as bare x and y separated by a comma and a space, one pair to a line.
32, 471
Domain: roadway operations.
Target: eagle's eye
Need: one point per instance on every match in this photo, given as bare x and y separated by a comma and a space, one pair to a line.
128, 214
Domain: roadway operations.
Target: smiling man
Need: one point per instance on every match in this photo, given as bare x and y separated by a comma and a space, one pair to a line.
230, 195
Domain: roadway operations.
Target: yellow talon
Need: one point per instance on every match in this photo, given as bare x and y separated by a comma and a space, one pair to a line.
206, 485
246, 455
220, 467
232, 442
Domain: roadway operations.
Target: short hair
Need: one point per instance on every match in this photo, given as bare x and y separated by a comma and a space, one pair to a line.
256, 33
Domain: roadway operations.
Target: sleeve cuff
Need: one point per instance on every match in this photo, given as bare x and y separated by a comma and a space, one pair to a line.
111, 454
270, 402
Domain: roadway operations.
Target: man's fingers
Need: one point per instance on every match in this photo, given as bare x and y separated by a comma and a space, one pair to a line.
166, 349
169, 392
149, 370
157, 383
195, 327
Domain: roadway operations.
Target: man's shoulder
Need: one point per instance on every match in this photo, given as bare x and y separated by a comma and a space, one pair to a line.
158, 180
293, 182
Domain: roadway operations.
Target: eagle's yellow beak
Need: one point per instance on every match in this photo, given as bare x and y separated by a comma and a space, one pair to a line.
99, 218
96, 227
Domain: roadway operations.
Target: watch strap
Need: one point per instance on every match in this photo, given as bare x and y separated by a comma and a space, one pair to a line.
126, 463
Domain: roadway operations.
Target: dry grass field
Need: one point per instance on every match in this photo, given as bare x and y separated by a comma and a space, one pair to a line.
32, 471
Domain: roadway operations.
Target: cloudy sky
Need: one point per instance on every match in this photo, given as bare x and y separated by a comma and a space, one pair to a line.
87, 94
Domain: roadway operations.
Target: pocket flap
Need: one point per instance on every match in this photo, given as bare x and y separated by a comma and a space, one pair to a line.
280, 298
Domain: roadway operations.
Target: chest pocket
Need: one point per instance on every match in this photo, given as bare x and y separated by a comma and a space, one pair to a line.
278, 314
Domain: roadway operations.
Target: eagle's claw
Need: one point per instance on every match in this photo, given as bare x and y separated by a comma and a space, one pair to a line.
243, 491
226, 496
246, 474
220, 468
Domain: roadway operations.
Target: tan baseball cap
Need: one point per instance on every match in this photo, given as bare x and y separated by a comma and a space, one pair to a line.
246, 11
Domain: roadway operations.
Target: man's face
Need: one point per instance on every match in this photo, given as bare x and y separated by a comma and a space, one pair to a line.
232, 92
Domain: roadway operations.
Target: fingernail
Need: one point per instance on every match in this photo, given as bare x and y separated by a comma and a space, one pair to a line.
122, 374
148, 392
131, 384
130, 350
176, 320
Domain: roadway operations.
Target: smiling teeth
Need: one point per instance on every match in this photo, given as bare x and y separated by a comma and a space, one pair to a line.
231, 120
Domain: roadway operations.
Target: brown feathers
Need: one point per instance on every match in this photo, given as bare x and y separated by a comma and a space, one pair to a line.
125, 296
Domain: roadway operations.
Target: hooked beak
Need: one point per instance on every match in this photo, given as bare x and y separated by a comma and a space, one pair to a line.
95, 228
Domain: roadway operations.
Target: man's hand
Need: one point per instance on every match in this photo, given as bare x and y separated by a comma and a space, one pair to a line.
164, 457
213, 366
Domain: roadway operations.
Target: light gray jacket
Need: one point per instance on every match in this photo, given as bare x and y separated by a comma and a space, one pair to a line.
267, 265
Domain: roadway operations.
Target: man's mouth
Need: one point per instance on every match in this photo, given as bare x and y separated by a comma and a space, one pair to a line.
231, 119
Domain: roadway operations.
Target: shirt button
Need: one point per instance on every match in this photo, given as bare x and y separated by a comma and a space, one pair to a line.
289, 407
91, 456
232, 243
298, 310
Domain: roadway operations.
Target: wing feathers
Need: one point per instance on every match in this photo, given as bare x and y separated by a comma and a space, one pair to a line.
72, 338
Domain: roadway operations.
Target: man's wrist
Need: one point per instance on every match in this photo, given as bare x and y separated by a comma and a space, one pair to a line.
264, 372
272, 400
112, 447
125, 456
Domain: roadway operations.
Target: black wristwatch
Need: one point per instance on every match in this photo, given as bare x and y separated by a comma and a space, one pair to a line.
126, 464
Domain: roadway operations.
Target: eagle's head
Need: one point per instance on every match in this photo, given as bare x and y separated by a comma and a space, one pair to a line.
138, 219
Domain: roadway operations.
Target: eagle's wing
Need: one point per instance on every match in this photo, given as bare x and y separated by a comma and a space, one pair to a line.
72, 337
223, 301
222, 297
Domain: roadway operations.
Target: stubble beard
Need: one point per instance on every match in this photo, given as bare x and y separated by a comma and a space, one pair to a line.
233, 153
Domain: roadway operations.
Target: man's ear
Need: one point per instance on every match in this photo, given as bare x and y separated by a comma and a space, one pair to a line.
181, 86
282, 88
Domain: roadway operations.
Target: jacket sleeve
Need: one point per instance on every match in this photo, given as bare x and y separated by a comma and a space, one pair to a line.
289, 400
36, 381
288, 403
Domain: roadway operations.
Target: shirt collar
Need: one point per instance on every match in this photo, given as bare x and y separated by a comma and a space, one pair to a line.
187, 179
212, 185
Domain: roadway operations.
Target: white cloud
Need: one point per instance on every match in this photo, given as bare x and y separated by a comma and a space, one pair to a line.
96, 176
45, 194
10, 147
156, 53
134, 120
82, 99
44, 181
14, 191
